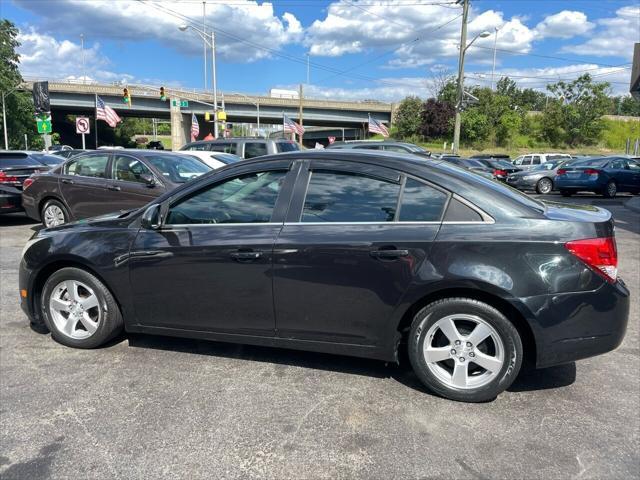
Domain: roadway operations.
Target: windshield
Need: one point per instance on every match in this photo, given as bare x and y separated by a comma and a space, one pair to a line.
177, 168
49, 160
227, 158
287, 146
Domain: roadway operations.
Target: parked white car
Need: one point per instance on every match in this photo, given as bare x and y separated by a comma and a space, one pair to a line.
527, 162
213, 159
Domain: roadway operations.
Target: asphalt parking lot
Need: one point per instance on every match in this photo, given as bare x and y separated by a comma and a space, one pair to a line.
156, 407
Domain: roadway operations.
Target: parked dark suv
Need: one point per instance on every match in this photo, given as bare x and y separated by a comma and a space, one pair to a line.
346, 252
245, 147
103, 181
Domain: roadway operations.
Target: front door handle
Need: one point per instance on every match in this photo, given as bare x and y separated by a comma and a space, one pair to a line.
114, 188
391, 254
246, 256
67, 181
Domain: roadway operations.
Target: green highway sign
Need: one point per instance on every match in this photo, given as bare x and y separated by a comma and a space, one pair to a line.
44, 124
180, 103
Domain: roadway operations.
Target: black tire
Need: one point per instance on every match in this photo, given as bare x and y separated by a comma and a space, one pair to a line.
544, 186
54, 203
566, 193
110, 323
611, 190
513, 352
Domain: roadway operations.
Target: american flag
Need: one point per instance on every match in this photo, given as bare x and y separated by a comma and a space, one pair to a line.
291, 126
195, 128
377, 127
106, 113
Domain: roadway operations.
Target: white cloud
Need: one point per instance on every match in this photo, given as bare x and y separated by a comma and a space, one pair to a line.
614, 36
417, 32
43, 56
243, 27
565, 24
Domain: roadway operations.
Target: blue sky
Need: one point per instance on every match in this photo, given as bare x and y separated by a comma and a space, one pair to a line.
359, 49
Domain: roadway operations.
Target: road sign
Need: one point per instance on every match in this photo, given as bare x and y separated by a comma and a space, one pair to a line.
82, 125
180, 103
44, 124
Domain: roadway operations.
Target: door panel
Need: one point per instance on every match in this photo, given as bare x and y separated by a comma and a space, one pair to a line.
126, 189
83, 185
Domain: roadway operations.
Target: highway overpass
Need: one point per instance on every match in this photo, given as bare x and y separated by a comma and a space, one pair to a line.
72, 98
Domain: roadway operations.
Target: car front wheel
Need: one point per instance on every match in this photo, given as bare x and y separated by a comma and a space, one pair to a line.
79, 309
544, 186
464, 349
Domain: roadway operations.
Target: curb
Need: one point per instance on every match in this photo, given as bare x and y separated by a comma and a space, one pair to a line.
633, 204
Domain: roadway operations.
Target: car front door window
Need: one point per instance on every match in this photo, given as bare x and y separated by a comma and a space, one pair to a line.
249, 198
129, 169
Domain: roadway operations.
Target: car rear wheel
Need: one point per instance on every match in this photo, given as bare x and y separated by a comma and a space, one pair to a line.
54, 214
566, 193
544, 186
610, 190
464, 350
79, 310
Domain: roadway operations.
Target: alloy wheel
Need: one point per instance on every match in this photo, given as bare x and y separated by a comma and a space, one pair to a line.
545, 186
75, 309
53, 216
464, 351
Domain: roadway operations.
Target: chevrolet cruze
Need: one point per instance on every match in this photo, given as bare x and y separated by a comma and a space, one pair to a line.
346, 252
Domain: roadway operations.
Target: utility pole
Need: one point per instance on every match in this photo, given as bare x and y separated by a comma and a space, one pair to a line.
300, 110
308, 69
214, 82
84, 71
460, 96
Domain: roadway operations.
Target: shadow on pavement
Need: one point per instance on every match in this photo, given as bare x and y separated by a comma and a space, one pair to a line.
554, 377
15, 219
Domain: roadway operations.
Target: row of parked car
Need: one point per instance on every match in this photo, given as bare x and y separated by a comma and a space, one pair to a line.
74, 184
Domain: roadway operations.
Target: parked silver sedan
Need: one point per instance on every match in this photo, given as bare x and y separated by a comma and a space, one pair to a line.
540, 178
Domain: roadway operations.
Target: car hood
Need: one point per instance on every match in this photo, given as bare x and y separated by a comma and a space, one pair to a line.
114, 219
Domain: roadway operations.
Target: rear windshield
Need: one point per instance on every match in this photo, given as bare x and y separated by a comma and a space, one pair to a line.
472, 163
49, 159
227, 158
594, 162
500, 164
287, 146
17, 160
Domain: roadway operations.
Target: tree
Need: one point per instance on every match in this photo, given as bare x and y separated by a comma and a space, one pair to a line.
408, 117
574, 116
19, 106
449, 92
437, 119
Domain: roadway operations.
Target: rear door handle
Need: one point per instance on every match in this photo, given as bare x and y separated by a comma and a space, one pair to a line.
244, 256
67, 181
114, 188
389, 254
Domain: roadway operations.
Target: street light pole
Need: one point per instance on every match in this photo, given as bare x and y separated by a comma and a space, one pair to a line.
204, 43
84, 71
4, 123
214, 82
460, 86
493, 69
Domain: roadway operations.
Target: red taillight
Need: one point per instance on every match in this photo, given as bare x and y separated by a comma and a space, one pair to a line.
600, 254
562, 171
501, 173
4, 178
27, 183
592, 171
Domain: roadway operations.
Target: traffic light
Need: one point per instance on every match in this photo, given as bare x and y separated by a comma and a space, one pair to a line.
207, 117
163, 95
126, 97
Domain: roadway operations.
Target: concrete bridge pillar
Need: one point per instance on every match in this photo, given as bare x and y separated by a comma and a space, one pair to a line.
179, 125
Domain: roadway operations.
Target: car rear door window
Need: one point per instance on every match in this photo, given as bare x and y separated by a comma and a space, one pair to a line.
618, 164
255, 149
129, 169
89, 166
536, 160
248, 198
421, 202
335, 196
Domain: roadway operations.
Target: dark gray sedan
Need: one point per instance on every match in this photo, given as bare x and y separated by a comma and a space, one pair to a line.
105, 181
540, 178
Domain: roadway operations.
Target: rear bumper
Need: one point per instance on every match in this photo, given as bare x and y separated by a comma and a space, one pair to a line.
30, 207
579, 325
521, 184
10, 200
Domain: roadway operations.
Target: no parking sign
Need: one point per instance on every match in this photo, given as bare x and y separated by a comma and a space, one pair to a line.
82, 125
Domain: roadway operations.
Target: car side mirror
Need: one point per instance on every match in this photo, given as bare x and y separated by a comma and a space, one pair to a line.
151, 218
148, 179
